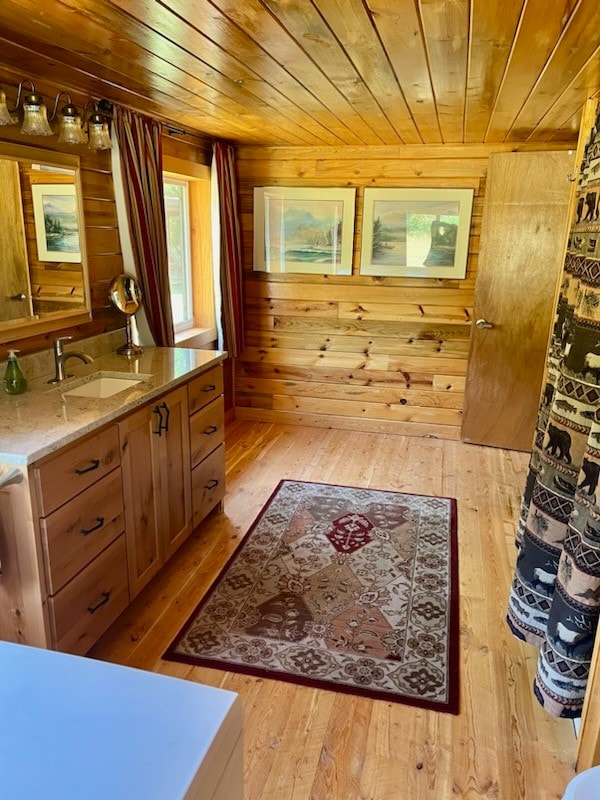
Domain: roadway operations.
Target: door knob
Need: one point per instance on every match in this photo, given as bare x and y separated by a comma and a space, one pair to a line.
483, 323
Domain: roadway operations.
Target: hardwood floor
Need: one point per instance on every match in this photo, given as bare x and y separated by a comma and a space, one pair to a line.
306, 744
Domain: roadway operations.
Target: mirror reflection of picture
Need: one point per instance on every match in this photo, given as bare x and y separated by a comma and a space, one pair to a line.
416, 232
303, 230
56, 219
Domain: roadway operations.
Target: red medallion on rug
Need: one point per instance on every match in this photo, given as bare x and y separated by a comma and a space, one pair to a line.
346, 589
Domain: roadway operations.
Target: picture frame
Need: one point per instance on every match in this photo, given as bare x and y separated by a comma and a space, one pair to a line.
56, 220
307, 230
419, 233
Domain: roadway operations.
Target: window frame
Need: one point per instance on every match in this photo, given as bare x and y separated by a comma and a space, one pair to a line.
198, 176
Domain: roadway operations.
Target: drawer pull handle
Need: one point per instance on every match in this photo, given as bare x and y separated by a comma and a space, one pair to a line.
212, 484
95, 464
103, 602
210, 387
210, 430
100, 523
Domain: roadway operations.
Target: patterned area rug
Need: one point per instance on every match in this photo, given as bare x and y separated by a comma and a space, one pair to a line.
352, 590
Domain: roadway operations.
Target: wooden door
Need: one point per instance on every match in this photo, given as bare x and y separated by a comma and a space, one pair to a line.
140, 460
521, 256
175, 468
15, 288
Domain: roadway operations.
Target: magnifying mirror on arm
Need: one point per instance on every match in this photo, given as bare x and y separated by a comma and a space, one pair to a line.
126, 297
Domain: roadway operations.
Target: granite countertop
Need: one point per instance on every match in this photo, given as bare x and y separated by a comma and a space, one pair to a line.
44, 418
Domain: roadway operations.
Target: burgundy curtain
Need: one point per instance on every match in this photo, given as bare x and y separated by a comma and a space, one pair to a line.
231, 249
140, 147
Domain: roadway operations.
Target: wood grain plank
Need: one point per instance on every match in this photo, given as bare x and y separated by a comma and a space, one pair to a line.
352, 27
446, 34
526, 61
572, 52
304, 23
493, 27
398, 26
310, 90
247, 387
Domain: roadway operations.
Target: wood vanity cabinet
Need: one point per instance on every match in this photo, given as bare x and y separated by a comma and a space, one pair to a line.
92, 523
81, 523
207, 449
155, 453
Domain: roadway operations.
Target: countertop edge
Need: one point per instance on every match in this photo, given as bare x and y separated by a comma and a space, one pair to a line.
110, 415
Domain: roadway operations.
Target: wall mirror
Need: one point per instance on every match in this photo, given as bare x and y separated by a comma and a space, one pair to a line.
44, 279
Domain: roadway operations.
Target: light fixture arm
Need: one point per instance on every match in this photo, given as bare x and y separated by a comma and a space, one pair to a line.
56, 102
19, 90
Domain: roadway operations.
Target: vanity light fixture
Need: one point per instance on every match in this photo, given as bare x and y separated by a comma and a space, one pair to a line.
97, 124
35, 113
70, 127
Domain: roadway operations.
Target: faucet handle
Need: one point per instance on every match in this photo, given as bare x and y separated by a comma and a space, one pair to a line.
58, 343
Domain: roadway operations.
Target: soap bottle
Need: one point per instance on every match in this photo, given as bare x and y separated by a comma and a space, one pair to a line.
14, 380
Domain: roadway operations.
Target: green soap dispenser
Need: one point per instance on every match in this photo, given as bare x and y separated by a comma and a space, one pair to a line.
14, 380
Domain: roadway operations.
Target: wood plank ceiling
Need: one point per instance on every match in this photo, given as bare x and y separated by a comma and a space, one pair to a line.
321, 72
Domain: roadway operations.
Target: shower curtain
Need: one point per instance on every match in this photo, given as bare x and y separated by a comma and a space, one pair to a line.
555, 597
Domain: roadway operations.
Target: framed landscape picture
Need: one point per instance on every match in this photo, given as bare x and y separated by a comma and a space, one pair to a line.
420, 233
56, 217
303, 230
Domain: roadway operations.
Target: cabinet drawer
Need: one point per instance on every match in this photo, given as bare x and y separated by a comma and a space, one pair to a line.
206, 431
87, 605
208, 484
76, 532
205, 388
74, 468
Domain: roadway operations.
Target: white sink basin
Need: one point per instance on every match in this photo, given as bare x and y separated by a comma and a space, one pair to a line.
102, 386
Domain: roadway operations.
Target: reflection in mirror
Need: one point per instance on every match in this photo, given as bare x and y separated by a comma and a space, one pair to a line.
126, 296
44, 275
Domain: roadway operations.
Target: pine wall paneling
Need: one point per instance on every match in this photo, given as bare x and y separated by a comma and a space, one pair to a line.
362, 353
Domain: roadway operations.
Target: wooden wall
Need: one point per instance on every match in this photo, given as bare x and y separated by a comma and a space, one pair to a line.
364, 353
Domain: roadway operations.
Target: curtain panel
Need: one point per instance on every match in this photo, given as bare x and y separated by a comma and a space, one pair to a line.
555, 597
231, 281
140, 146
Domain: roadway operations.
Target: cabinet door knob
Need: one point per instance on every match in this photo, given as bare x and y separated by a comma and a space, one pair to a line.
210, 430
210, 387
94, 465
212, 484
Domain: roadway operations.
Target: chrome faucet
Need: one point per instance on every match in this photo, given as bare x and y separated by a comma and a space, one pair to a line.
60, 359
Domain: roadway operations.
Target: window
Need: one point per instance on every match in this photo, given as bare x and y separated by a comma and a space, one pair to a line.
177, 214
188, 220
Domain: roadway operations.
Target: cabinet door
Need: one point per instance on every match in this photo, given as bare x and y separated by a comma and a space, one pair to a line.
141, 446
176, 484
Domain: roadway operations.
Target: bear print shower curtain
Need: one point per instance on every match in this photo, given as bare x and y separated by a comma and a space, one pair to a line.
555, 596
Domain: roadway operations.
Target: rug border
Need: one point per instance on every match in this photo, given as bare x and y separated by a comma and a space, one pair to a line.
452, 706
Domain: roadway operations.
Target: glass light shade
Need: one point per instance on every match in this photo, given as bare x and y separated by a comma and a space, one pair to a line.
35, 117
5, 117
99, 137
70, 130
